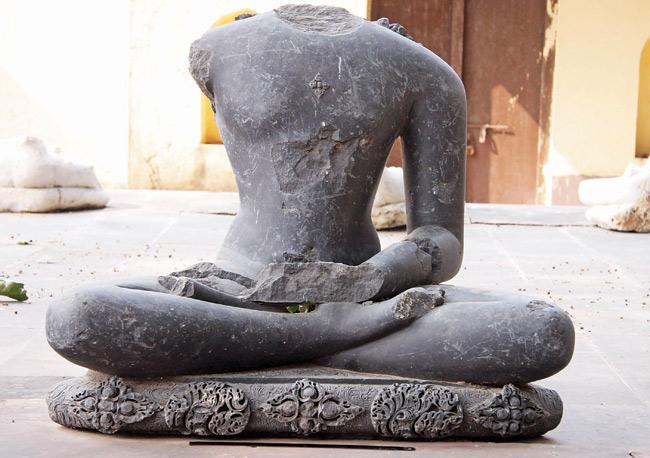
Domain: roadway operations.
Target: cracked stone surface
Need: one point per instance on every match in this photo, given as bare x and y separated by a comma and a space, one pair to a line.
315, 282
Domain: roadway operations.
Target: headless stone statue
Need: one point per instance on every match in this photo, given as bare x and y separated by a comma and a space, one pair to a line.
309, 101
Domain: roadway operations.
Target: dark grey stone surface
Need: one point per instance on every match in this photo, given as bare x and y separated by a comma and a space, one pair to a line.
474, 336
305, 401
309, 101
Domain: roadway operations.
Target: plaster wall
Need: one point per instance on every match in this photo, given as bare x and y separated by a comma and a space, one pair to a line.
596, 87
64, 78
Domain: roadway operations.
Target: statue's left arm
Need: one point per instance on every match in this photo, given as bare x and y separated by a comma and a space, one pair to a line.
433, 140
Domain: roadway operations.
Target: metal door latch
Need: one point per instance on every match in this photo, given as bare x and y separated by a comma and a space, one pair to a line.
483, 129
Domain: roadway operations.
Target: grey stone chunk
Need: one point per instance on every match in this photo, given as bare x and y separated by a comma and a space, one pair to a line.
316, 282
394, 26
216, 290
209, 272
416, 302
320, 19
199, 60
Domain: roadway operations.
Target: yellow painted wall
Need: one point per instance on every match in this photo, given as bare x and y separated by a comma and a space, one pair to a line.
596, 86
643, 117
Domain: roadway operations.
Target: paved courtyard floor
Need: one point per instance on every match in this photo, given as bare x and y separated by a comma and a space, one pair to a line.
601, 278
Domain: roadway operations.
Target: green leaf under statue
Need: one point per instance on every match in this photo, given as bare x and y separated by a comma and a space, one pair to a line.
13, 290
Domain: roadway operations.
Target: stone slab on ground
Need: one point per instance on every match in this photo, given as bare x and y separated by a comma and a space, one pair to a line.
50, 199
527, 215
599, 277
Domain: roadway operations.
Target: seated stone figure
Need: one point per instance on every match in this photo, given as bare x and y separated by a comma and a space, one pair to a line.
309, 101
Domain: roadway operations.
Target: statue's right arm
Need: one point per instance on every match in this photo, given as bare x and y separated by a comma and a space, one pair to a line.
433, 139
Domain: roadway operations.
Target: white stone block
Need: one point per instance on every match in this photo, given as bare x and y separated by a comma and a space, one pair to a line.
34, 179
621, 203
27, 163
50, 199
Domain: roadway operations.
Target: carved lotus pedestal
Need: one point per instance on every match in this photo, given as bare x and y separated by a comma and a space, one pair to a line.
303, 402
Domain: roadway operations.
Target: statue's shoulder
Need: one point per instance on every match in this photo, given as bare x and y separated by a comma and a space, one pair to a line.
211, 44
395, 38
425, 69
245, 27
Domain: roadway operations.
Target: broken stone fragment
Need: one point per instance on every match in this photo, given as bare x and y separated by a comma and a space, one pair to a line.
620, 203
624, 217
35, 179
415, 302
217, 291
210, 272
27, 163
316, 282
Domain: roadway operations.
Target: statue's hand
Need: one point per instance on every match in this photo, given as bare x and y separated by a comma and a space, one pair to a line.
315, 283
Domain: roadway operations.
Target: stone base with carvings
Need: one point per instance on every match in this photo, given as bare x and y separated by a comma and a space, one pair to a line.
302, 402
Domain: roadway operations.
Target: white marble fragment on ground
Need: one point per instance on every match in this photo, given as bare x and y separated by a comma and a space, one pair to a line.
628, 188
34, 179
32, 200
26, 163
388, 209
622, 217
620, 203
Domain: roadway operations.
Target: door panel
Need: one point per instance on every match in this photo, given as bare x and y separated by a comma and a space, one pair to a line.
437, 24
502, 64
497, 48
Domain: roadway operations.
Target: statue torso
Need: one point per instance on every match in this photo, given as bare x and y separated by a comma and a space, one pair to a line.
308, 118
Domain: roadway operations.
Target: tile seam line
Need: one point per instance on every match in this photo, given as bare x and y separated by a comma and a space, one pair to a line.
155, 239
509, 258
606, 260
612, 368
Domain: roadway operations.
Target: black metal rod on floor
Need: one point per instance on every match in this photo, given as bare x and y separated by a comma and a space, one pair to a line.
306, 445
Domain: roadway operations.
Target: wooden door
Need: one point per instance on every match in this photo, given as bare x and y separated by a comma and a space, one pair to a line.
437, 24
503, 57
497, 46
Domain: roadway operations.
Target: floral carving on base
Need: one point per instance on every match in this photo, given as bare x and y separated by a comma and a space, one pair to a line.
105, 408
508, 413
208, 408
309, 409
409, 410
